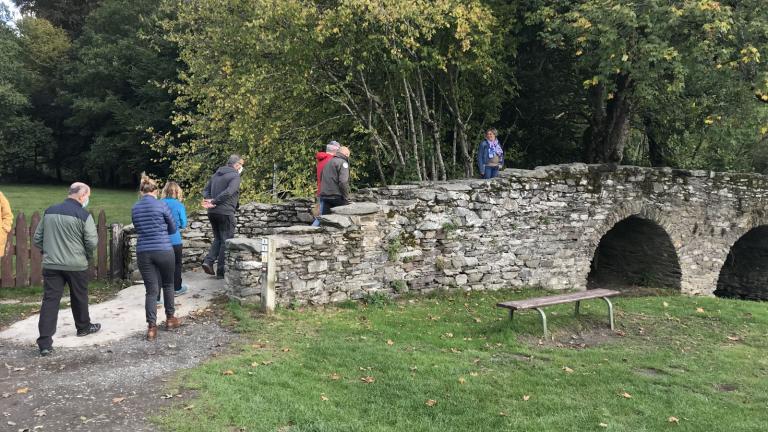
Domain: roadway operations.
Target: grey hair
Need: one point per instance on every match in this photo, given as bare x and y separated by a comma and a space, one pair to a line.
332, 146
78, 189
233, 159
492, 130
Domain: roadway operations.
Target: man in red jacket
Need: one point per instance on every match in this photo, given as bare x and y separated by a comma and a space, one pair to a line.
322, 159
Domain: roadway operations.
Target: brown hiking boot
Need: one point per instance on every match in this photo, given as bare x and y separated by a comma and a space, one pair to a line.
172, 322
151, 332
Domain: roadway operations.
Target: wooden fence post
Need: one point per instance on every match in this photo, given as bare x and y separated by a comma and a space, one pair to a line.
22, 251
35, 256
101, 228
6, 273
116, 261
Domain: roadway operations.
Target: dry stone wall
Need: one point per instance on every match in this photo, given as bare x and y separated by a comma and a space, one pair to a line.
253, 220
526, 228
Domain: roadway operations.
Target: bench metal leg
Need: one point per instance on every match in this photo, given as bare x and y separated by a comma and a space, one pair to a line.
511, 314
543, 321
610, 310
577, 308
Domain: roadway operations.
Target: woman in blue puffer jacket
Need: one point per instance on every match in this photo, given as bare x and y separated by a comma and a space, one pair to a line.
154, 254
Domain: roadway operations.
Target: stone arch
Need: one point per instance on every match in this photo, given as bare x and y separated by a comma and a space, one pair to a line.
634, 248
744, 274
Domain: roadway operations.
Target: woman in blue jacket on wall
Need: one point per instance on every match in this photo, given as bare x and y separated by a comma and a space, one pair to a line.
173, 197
154, 254
490, 156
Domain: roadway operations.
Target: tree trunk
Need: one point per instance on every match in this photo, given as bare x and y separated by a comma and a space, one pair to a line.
655, 150
608, 129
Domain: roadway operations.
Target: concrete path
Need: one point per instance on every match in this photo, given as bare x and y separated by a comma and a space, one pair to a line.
119, 317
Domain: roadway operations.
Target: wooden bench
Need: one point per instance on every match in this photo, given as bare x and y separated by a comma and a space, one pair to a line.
539, 302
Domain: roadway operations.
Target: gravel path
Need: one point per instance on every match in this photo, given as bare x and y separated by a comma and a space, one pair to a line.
113, 387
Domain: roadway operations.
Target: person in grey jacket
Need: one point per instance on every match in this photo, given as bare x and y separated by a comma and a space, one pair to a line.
221, 196
67, 237
334, 181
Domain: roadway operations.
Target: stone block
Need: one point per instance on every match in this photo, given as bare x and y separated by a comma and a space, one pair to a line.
317, 266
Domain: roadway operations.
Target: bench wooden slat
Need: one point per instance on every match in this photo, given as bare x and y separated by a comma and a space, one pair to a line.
558, 299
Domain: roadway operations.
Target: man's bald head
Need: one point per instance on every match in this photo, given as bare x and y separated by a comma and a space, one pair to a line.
344, 150
79, 192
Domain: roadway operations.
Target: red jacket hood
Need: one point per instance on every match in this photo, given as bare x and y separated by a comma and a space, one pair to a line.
321, 156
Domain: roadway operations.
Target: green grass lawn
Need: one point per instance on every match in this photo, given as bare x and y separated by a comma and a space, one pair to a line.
456, 363
31, 198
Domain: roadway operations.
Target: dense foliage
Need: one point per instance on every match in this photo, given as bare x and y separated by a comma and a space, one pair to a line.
101, 90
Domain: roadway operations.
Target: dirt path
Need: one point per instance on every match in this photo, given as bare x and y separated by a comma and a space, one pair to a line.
110, 381
81, 389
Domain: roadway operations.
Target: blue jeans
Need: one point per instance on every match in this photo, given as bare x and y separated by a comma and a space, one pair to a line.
316, 222
490, 172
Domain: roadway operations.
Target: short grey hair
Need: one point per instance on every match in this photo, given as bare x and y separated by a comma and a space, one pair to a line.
78, 189
332, 147
233, 159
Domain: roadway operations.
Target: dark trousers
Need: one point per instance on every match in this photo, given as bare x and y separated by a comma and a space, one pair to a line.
490, 172
157, 269
53, 289
177, 249
223, 229
331, 202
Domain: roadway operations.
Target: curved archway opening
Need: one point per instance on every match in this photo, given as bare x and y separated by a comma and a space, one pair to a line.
636, 252
745, 272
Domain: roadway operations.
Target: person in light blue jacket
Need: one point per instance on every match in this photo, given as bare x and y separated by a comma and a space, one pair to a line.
173, 197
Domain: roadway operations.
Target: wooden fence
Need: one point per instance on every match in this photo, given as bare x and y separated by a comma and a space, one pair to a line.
22, 264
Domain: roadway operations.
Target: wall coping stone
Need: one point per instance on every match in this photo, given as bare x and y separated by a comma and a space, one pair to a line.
247, 244
362, 208
335, 220
298, 229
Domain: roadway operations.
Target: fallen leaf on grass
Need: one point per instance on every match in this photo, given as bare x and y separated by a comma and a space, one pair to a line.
673, 419
335, 377
255, 364
286, 349
228, 372
477, 320
189, 407
266, 362
665, 304
259, 345
390, 342
603, 425
526, 397
455, 351
117, 400
626, 395
700, 310
567, 369
323, 397
367, 379
22, 390
474, 374
462, 380
430, 402
503, 414
734, 338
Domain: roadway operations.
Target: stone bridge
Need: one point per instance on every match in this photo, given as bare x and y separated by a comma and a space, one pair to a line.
560, 227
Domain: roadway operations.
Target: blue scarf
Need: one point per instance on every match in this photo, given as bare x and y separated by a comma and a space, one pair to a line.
494, 149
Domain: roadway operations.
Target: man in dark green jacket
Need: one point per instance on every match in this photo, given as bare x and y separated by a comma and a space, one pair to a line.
67, 237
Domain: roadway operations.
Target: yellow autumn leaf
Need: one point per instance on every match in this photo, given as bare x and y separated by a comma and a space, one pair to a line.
567, 369
526, 397
430, 402
228, 372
